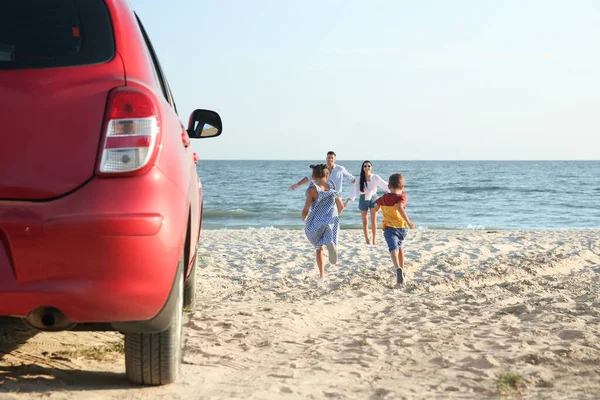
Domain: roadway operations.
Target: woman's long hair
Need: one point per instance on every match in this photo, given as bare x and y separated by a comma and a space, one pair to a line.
363, 176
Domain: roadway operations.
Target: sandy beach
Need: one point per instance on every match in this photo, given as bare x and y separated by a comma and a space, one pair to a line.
482, 314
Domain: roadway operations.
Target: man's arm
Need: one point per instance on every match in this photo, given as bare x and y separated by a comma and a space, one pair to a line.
300, 183
348, 175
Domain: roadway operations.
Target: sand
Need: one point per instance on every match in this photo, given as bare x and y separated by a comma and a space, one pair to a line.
480, 311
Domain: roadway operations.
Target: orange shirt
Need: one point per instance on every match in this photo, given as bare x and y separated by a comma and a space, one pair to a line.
389, 207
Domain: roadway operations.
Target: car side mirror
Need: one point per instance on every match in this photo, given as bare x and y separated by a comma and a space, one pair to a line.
204, 124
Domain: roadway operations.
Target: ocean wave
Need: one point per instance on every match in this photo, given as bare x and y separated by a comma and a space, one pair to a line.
232, 227
243, 213
227, 213
291, 213
534, 190
476, 189
468, 227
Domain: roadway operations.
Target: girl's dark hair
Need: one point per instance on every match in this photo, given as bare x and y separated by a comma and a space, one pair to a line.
319, 170
363, 176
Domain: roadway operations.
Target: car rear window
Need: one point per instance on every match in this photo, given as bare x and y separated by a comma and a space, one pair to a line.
54, 33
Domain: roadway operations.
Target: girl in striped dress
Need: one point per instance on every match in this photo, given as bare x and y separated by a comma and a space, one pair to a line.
321, 213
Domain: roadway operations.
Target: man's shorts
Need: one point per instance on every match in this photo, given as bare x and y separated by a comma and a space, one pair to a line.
395, 237
364, 205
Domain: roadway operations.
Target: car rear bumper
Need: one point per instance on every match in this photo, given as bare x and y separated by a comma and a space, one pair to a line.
106, 253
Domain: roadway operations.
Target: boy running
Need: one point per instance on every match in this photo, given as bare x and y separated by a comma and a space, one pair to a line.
395, 222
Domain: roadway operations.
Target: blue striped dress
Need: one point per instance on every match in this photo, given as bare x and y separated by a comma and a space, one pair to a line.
323, 223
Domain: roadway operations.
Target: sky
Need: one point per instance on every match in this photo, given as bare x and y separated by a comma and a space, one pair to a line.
385, 79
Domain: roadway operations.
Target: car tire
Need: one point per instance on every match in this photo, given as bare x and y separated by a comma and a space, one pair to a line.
189, 289
155, 358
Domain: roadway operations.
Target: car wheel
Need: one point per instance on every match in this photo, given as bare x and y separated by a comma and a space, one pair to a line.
189, 290
155, 358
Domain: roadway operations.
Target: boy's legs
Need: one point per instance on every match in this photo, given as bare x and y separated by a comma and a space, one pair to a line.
320, 262
401, 236
395, 261
398, 265
394, 238
401, 257
402, 233
392, 242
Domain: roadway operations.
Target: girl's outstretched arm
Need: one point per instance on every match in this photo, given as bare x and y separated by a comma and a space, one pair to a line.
339, 204
353, 192
310, 197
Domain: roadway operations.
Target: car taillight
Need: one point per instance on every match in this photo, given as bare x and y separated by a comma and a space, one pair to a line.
132, 128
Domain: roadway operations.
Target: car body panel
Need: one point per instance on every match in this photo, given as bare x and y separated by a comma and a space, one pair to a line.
98, 255
99, 248
52, 122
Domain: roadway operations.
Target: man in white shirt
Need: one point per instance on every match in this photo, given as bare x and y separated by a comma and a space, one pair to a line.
337, 173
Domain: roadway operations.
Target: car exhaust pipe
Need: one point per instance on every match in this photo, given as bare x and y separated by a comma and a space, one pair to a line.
49, 319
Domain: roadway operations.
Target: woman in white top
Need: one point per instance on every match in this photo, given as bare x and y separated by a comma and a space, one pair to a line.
367, 188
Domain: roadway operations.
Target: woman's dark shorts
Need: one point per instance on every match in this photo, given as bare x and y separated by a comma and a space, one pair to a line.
364, 205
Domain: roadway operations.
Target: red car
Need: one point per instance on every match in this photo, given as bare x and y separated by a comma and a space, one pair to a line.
100, 201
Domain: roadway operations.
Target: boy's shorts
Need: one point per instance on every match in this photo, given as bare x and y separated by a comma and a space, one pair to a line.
364, 205
395, 237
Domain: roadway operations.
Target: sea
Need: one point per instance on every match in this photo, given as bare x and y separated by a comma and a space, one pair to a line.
466, 195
